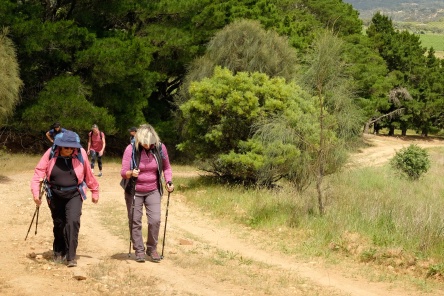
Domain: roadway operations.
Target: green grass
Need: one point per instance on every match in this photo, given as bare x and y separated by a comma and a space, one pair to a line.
14, 163
433, 40
370, 212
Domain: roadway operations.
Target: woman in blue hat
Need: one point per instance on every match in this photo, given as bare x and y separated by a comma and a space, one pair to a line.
66, 171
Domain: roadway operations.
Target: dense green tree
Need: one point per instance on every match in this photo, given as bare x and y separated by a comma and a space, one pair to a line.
430, 90
336, 15
117, 69
65, 99
412, 70
10, 82
221, 114
370, 82
244, 46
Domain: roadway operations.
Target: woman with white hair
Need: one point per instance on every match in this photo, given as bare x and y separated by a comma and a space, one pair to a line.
146, 160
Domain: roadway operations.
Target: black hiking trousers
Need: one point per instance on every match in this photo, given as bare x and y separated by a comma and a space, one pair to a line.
66, 209
94, 156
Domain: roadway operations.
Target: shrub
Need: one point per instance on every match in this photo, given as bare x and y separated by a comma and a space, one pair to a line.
411, 162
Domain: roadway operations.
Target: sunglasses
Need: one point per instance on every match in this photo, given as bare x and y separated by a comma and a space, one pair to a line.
68, 148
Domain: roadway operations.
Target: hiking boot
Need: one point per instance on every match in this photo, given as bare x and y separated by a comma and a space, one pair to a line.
72, 263
153, 256
58, 257
140, 258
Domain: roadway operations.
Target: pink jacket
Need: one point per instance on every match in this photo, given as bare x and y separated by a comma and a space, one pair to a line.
83, 172
147, 180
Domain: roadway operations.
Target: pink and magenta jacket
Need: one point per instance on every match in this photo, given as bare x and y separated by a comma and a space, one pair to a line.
85, 177
147, 180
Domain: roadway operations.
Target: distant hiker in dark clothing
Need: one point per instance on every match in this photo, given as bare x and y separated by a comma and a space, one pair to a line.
96, 147
56, 128
153, 162
132, 132
66, 172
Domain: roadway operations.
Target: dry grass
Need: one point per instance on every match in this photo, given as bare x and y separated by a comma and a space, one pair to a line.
15, 163
108, 280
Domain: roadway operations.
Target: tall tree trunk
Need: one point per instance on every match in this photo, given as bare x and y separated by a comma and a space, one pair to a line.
367, 127
391, 131
319, 180
320, 160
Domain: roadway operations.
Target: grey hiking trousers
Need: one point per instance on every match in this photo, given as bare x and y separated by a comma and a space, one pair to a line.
151, 201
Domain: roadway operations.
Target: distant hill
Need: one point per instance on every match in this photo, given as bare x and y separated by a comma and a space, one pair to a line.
401, 10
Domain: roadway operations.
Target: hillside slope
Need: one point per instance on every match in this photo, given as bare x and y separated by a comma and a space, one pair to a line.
401, 10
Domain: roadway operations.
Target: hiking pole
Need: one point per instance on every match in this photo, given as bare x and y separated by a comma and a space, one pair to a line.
164, 229
37, 220
131, 227
133, 191
36, 212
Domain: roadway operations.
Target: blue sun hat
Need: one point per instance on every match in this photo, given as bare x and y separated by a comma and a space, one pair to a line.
68, 139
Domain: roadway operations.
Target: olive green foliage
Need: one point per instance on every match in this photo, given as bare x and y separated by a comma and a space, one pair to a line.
65, 99
324, 76
289, 143
10, 82
221, 114
411, 162
307, 146
245, 46
338, 118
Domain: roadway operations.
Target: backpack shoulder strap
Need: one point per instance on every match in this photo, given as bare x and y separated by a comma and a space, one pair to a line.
159, 155
135, 156
157, 152
160, 149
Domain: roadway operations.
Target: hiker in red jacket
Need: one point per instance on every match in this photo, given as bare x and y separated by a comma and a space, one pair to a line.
96, 147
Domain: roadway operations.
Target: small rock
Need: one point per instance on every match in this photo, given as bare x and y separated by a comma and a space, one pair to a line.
78, 275
185, 242
31, 255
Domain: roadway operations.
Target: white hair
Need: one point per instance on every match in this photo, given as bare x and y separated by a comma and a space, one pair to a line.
146, 135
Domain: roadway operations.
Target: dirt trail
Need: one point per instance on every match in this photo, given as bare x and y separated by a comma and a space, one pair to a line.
382, 148
203, 256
